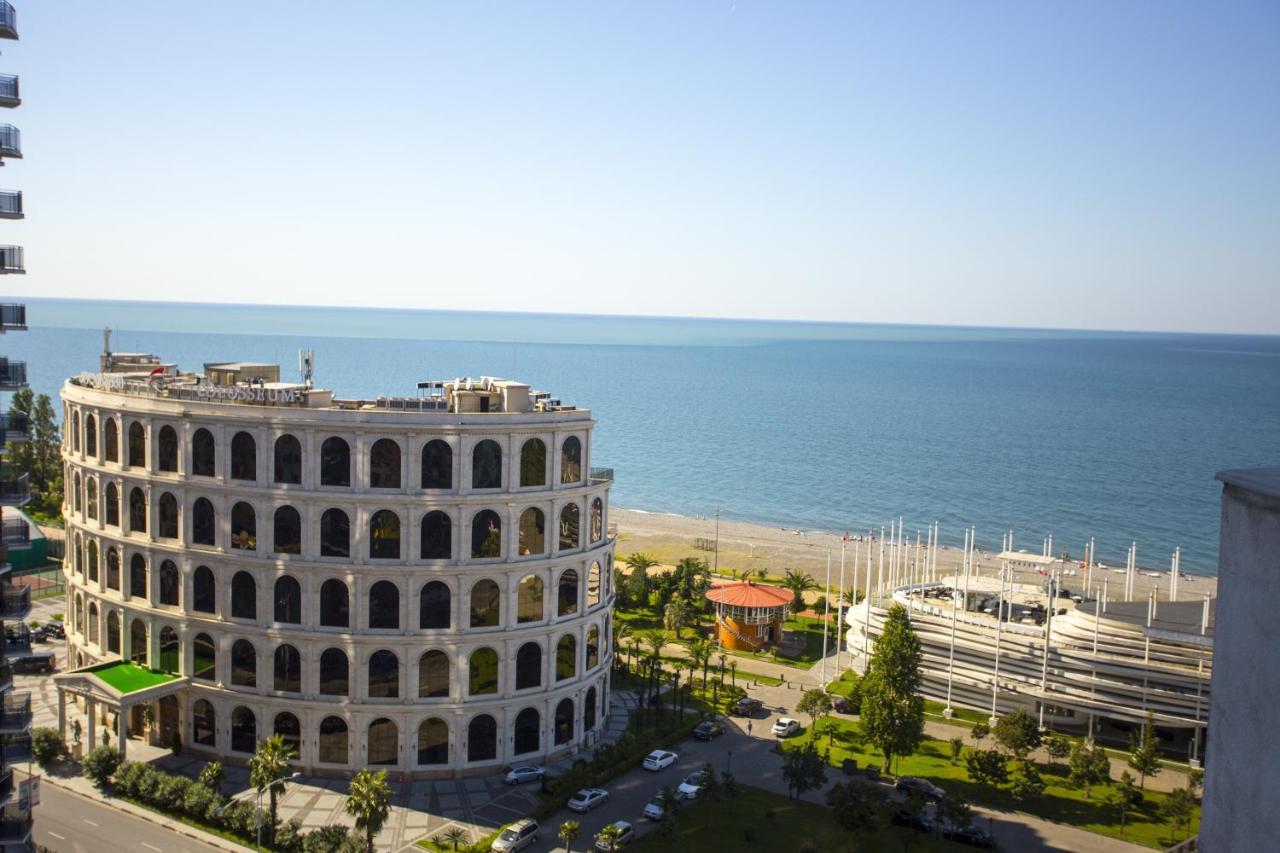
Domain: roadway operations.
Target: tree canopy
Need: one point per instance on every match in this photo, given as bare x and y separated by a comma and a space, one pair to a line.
892, 713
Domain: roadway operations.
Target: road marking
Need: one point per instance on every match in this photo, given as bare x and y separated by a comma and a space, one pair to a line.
57, 836
151, 847
91, 823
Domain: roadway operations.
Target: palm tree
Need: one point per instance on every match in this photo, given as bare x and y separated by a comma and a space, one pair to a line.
268, 768
569, 832
655, 640
699, 652
454, 836
369, 802
799, 583
640, 564
609, 837
621, 631
676, 615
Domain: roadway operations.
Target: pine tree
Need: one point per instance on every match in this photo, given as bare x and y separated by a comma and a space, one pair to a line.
1144, 752
892, 713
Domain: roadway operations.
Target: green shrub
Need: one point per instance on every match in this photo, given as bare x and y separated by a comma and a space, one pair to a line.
197, 801
144, 785
170, 791
127, 776
332, 839
289, 837
46, 746
100, 763
239, 819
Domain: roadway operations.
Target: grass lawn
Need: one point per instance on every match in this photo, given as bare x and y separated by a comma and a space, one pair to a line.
777, 824
810, 630
1059, 802
129, 677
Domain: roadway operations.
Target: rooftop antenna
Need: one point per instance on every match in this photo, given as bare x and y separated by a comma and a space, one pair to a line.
306, 365
106, 340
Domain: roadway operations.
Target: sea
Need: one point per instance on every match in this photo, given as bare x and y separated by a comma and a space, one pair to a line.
817, 426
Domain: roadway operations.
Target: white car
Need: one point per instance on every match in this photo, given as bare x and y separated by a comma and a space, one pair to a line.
659, 759
691, 786
517, 836
587, 799
656, 808
786, 727
626, 834
524, 773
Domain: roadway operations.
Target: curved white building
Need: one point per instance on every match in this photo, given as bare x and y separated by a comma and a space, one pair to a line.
419, 583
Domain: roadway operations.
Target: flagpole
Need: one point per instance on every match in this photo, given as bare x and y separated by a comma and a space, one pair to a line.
826, 611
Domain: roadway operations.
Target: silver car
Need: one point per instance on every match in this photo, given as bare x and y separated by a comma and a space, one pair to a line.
517, 836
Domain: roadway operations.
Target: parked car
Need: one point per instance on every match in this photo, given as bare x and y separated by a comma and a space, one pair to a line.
691, 786
524, 773
911, 820
38, 662
517, 836
656, 808
38, 635
786, 727
931, 792
841, 705
971, 836
748, 707
587, 799
626, 834
659, 759
708, 730
56, 629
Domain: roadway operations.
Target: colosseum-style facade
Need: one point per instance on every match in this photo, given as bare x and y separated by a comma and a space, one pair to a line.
420, 583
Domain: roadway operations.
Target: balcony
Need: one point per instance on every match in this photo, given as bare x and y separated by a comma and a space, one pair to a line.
11, 208
15, 533
601, 475
12, 261
15, 713
18, 750
13, 315
15, 602
10, 142
13, 375
6, 785
9, 96
6, 675
14, 489
14, 427
15, 829
8, 21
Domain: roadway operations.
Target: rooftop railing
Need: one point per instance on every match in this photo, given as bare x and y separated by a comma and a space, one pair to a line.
9, 89
14, 490
13, 374
13, 316
601, 475
12, 260
8, 21
15, 532
10, 141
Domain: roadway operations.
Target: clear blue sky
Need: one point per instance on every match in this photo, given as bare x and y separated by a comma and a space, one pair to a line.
1087, 164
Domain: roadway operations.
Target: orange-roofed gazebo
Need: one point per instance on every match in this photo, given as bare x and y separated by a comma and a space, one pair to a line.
749, 616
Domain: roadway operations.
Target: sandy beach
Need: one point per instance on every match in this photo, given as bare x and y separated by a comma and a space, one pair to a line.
668, 538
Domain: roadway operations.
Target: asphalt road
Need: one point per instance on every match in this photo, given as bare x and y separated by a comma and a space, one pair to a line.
69, 823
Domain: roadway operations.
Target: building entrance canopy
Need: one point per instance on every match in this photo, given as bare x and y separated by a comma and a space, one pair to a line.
119, 685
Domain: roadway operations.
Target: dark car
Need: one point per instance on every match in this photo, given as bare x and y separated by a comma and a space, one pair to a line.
924, 787
748, 707
708, 730
38, 635
39, 662
911, 820
971, 836
841, 705
56, 629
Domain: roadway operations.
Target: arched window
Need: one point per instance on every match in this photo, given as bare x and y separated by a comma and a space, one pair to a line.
334, 673
433, 675
571, 460
170, 582
75, 432
288, 669
533, 463
90, 435
529, 666
290, 732
384, 746
244, 457
486, 465
533, 526
288, 601
244, 730
110, 440
202, 453
204, 721
168, 449
91, 497
204, 523
288, 467
137, 445
570, 524
482, 739
597, 520
168, 526
437, 465
138, 642
79, 617
384, 606
527, 730
529, 600
76, 501
564, 721
205, 655
287, 533
244, 596
593, 647
137, 511
204, 591
113, 632
589, 711
568, 597
335, 534
333, 740
335, 604
170, 652
384, 535
244, 664
434, 606
593, 584
335, 462
384, 675
113, 569
111, 496
138, 576
437, 536
384, 464
244, 527
485, 604
566, 657
486, 535
483, 672
93, 561
433, 741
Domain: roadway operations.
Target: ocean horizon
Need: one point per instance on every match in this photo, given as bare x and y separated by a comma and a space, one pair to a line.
816, 425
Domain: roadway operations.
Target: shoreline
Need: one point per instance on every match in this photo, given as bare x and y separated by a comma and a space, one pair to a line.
669, 537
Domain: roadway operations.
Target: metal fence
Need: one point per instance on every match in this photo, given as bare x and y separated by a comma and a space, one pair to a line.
12, 314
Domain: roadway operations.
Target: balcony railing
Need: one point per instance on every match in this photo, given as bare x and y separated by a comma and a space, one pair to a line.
6, 675
12, 260
14, 489
13, 316
6, 784
8, 21
15, 713
10, 141
601, 475
14, 427
18, 750
15, 532
15, 602
13, 374
15, 829
11, 204
9, 93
